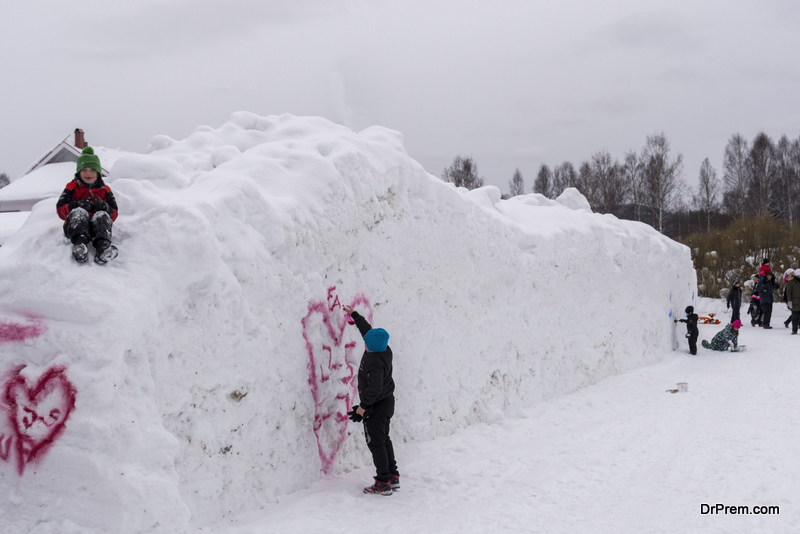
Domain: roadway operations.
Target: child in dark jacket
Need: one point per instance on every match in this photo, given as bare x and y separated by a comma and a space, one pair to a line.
754, 310
735, 300
691, 329
376, 403
88, 208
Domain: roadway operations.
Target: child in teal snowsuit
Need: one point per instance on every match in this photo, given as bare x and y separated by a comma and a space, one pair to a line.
726, 336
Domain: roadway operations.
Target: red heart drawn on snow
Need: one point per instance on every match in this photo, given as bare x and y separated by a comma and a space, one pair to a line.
331, 375
38, 414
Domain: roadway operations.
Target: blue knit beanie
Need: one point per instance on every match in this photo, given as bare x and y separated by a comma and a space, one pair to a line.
377, 340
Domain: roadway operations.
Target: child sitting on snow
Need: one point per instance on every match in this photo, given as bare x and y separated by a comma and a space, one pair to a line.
88, 209
726, 336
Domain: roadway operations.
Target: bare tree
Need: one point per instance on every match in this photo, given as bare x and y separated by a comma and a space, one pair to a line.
735, 175
586, 183
564, 176
707, 191
762, 176
517, 185
608, 182
463, 172
664, 184
4, 180
544, 181
633, 176
786, 177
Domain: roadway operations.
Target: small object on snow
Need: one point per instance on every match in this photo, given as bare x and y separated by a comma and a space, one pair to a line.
683, 387
379, 488
672, 391
708, 320
741, 348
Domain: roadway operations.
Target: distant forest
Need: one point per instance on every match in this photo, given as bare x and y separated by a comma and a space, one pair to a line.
730, 222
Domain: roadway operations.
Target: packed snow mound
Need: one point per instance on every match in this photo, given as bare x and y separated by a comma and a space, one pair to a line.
205, 371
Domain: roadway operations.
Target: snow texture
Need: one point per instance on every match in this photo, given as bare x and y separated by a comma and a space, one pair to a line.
211, 360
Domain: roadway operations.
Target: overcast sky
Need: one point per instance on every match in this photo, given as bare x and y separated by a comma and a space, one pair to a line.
511, 83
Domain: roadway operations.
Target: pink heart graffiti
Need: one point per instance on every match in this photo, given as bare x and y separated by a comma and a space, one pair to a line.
37, 414
331, 375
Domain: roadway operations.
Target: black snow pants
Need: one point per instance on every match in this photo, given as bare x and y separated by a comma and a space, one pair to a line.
693, 343
735, 314
80, 227
767, 313
795, 321
376, 431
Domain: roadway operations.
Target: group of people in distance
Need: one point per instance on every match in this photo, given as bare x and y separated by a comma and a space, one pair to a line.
760, 310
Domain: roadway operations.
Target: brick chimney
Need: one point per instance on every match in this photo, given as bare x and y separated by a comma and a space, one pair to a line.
79, 142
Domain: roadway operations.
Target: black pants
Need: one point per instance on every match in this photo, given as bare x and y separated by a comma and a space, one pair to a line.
693, 343
795, 320
80, 227
376, 431
767, 309
735, 314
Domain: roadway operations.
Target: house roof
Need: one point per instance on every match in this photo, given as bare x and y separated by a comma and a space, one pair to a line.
62, 152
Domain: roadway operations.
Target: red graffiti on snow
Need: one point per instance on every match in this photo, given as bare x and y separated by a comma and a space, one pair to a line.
20, 332
37, 414
331, 376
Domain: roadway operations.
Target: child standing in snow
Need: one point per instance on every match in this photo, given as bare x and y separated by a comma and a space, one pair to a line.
376, 403
691, 329
755, 305
88, 208
735, 300
726, 336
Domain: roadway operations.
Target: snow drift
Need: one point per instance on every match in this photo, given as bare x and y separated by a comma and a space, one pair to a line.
211, 362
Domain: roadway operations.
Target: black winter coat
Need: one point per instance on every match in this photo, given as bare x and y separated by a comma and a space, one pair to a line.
375, 382
766, 289
691, 324
735, 297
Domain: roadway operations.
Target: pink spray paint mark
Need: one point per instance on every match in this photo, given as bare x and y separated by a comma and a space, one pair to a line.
20, 332
37, 414
331, 376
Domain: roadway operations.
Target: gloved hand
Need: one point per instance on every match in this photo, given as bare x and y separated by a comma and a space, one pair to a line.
688, 335
85, 204
101, 205
729, 305
353, 414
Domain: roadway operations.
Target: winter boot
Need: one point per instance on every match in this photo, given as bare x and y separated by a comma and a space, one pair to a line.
80, 252
395, 482
379, 488
104, 251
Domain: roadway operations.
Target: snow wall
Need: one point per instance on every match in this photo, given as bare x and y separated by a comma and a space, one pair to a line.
205, 372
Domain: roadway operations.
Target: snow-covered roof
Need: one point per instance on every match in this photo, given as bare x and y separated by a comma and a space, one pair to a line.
46, 180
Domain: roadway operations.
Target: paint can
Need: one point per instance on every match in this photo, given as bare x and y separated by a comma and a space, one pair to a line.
683, 387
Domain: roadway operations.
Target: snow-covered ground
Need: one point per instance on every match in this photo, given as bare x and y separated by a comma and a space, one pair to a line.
203, 374
623, 455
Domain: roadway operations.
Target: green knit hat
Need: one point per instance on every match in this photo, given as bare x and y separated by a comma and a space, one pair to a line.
87, 160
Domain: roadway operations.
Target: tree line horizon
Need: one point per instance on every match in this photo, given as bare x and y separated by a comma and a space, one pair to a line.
759, 179
730, 222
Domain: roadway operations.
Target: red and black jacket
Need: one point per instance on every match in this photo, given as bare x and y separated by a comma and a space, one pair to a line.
78, 190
